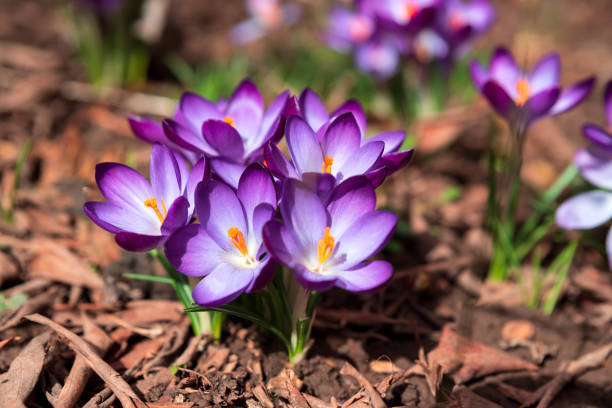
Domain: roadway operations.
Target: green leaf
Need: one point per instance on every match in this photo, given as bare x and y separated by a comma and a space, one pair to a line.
150, 278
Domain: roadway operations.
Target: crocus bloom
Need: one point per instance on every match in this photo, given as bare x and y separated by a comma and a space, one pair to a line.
329, 245
593, 208
266, 16
231, 134
313, 111
226, 246
524, 97
460, 22
143, 214
408, 15
339, 152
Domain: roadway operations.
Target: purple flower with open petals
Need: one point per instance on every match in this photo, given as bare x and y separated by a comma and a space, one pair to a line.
143, 214
593, 208
311, 108
524, 97
231, 134
226, 247
329, 245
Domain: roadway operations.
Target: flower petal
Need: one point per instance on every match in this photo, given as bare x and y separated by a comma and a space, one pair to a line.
395, 161
362, 160
366, 236
224, 284
541, 103
195, 110
186, 138
503, 67
595, 169
281, 243
608, 102
278, 163
313, 281
270, 123
165, 174
200, 172
572, 96
312, 109
546, 73
115, 219
303, 211
124, 187
350, 200
479, 74
254, 188
354, 107
224, 139
598, 136
585, 211
392, 140
131, 241
218, 210
227, 170
147, 129
303, 146
262, 275
178, 215
498, 98
380, 58
609, 246
193, 252
365, 277
341, 140
246, 108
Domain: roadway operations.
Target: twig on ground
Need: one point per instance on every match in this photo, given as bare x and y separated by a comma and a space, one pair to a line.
375, 398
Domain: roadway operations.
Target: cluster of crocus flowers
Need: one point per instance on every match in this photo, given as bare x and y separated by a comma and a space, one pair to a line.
381, 32
593, 208
523, 97
218, 177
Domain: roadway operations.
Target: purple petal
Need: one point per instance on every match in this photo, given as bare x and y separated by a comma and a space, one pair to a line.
262, 275
224, 139
115, 219
165, 174
545, 74
585, 211
146, 129
219, 210
395, 161
361, 160
392, 140
278, 163
270, 123
178, 215
595, 169
186, 137
193, 252
498, 98
281, 243
503, 68
365, 237
302, 209
200, 172
572, 96
598, 136
228, 171
263, 213
254, 188
479, 74
608, 102
123, 186
377, 176
303, 146
312, 109
246, 108
313, 281
131, 241
354, 107
540, 104
366, 277
224, 284
195, 110
341, 140
609, 246
350, 200
379, 58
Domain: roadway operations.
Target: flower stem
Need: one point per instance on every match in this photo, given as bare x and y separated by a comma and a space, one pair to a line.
303, 307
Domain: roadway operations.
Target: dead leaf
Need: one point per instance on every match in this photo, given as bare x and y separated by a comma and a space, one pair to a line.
23, 372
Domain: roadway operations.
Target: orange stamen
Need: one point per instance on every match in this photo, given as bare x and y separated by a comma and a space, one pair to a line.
410, 10
327, 164
229, 120
522, 91
325, 247
152, 203
238, 240
457, 21
265, 164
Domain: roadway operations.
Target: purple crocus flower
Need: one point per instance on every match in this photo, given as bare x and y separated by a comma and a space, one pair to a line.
266, 16
311, 108
328, 245
231, 134
524, 97
226, 246
460, 22
593, 208
407, 15
143, 214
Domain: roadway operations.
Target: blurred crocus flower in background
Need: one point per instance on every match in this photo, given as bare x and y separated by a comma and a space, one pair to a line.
266, 16
143, 214
524, 97
593, 208
328, 245
232, 134
101, 6
226, 247
407, 15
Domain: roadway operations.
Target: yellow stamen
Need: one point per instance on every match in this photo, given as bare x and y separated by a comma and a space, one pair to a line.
238, 240
325, 247
327, 164
229, 120
522, 91
410, 10
152, 203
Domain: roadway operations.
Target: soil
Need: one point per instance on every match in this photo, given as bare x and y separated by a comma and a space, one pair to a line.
437, 296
